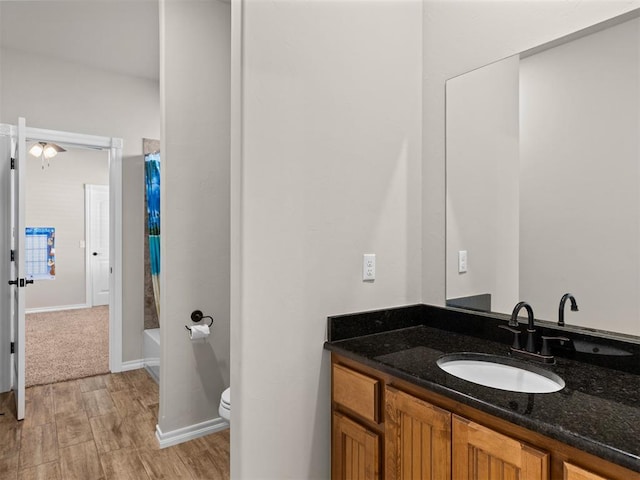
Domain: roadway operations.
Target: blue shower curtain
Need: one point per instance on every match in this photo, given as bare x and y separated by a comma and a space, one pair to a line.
152, 179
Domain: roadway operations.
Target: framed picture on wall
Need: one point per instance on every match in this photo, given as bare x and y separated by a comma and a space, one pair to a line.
40, 253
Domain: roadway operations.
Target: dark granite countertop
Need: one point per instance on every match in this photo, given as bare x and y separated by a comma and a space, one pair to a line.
598, 411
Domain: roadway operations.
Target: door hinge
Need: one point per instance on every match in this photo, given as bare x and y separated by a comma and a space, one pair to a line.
13, 164
13, 255
13, 347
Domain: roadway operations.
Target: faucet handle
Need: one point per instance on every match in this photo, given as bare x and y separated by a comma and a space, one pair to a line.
516, 336
546, 350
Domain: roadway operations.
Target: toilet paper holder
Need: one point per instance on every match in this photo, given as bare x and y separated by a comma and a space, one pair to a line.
197, 316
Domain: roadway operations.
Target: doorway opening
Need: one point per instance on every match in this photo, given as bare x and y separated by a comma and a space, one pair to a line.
21, 136
67, 257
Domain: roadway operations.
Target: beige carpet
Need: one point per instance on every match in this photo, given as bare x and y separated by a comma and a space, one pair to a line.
66, 345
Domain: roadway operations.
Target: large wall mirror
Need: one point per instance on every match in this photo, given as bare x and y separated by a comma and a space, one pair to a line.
543, 180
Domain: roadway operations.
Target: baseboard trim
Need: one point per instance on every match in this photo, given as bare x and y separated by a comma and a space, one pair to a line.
191, 432
57, 308
151, 371
132, 365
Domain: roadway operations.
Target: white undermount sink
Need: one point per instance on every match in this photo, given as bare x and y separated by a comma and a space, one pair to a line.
500, 372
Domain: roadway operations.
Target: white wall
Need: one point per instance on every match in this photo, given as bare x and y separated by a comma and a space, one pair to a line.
55, 198
483, 183
195, 82
461, 36
75, 98
330, 169
580, 197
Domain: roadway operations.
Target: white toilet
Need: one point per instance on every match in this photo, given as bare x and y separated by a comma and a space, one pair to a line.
225, 405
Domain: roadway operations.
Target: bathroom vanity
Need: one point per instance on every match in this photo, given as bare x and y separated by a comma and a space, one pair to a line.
397, 415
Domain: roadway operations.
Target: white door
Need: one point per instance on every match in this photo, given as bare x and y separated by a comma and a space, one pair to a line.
97, 219
18, 273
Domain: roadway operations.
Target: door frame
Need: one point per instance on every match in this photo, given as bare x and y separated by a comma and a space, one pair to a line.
7, 368
89, 189
113, 146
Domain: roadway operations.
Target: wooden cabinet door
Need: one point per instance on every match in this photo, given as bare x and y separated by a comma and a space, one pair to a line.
355, 451
417, 438
571, 472
482, 454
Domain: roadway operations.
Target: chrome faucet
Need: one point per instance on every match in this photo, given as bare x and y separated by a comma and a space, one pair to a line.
531, 330
563, 300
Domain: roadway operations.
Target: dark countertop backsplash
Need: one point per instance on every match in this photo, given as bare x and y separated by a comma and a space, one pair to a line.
485, 326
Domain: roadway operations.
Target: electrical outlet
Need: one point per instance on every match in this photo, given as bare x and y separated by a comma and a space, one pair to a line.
462, 261
369, 267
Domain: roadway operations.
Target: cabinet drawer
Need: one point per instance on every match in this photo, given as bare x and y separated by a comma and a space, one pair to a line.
357, 392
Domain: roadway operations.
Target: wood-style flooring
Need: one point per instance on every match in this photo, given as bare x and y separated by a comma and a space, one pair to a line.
100, 428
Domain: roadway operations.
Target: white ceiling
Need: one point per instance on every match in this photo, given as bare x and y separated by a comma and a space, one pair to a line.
117, 35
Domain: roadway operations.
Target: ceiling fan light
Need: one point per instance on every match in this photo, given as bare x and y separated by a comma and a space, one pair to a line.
50, 151
36, 149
